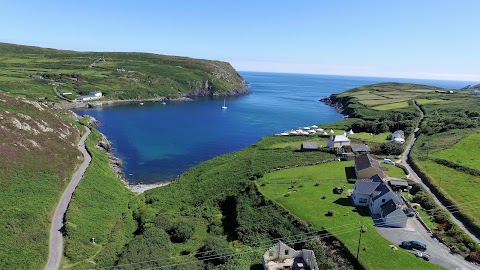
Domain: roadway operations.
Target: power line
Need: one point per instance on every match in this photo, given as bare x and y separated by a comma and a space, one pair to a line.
398, 217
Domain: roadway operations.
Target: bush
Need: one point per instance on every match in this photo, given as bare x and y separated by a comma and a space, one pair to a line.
473, 257
181, 232
330, 213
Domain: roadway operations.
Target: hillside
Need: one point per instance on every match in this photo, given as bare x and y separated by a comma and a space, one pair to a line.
33, 72
38, 155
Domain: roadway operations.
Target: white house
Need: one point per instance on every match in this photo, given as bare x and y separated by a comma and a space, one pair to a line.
398, 137
338, 141
363, 190
381, 201
476, 92
90, 96
281, 256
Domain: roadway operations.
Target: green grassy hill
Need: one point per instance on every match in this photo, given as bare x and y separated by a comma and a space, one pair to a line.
38, 155
120, 76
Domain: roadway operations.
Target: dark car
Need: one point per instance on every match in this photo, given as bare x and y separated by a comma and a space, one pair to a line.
410, 212
413, 245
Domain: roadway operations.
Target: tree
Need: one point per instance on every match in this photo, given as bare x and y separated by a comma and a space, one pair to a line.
181, 232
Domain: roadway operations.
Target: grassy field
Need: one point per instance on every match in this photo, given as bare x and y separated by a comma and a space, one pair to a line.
460, 187
331, 171
391, 106
117, 75
98, 209
305, 201
38, 156
461, 152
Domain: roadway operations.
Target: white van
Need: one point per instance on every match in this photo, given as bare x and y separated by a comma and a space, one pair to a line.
388, 161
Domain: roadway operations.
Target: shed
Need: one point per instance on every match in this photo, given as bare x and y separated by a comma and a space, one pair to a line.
398, 185
360, 148
309, 146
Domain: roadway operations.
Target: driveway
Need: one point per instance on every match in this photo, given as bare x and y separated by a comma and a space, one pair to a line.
439, 253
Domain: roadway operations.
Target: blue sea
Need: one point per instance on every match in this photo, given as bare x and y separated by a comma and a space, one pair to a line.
158, 142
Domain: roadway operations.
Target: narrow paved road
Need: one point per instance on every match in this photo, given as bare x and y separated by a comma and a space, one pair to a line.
413, 176
56, 238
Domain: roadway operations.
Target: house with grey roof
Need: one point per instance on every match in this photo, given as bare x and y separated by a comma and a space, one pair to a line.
309, 146
366, 167
381, 201
398, 137
280, 257
360, 149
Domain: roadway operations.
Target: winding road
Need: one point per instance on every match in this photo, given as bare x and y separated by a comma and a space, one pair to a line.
56, 237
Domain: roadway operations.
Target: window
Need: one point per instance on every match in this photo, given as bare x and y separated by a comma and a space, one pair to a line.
362, 200
286, 251
383, 200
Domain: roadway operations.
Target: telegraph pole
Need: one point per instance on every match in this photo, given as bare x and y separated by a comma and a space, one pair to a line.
362, 230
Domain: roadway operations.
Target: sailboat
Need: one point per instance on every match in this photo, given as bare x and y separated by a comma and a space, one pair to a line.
224, 107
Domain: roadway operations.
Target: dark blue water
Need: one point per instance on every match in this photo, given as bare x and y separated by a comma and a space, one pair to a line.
157, 142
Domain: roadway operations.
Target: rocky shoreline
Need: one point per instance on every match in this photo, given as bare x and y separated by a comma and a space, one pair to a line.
338, 106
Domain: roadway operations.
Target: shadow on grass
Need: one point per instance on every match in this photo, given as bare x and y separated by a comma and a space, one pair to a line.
343, 201
362, 211
350, 173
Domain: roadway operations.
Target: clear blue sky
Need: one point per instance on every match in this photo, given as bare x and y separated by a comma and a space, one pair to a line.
412, 39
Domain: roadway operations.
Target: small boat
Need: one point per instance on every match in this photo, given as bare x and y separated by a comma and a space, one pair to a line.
141, 103
224, 107
164, 103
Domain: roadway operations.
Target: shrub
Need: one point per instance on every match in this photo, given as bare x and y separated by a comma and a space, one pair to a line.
181, 232
473, 257
286, 195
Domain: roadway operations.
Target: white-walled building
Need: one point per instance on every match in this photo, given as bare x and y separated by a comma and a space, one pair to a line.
338, 141
91, 96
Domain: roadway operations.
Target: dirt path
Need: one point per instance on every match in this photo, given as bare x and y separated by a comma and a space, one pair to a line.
56, 237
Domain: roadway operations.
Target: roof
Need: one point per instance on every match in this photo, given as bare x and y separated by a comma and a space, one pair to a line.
399, 183
366, 187
399, 132
388, 207
365, 161
381, 190
309, 145
341, 138
377, 178
360, 148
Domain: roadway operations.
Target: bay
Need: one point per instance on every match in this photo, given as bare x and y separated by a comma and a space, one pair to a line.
158, 142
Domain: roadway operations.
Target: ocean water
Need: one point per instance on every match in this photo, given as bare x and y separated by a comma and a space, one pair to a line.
158, 142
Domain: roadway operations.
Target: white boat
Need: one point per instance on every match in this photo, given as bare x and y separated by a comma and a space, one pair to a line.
164, 103
224, 107
141, 103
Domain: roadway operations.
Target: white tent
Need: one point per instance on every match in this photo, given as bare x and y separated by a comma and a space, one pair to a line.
324, 133
331, 131
350, 132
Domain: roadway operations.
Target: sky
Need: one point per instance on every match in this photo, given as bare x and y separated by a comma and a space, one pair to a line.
405, 39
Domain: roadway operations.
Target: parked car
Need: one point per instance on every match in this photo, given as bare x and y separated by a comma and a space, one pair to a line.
410, 212
388, 161
413, 245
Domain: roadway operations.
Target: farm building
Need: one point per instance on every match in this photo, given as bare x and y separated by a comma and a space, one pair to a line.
309, 146
338, 141
360, 149
90, 96
366, 167
281, 256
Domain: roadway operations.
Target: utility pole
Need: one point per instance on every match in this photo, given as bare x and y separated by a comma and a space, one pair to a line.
362, 230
